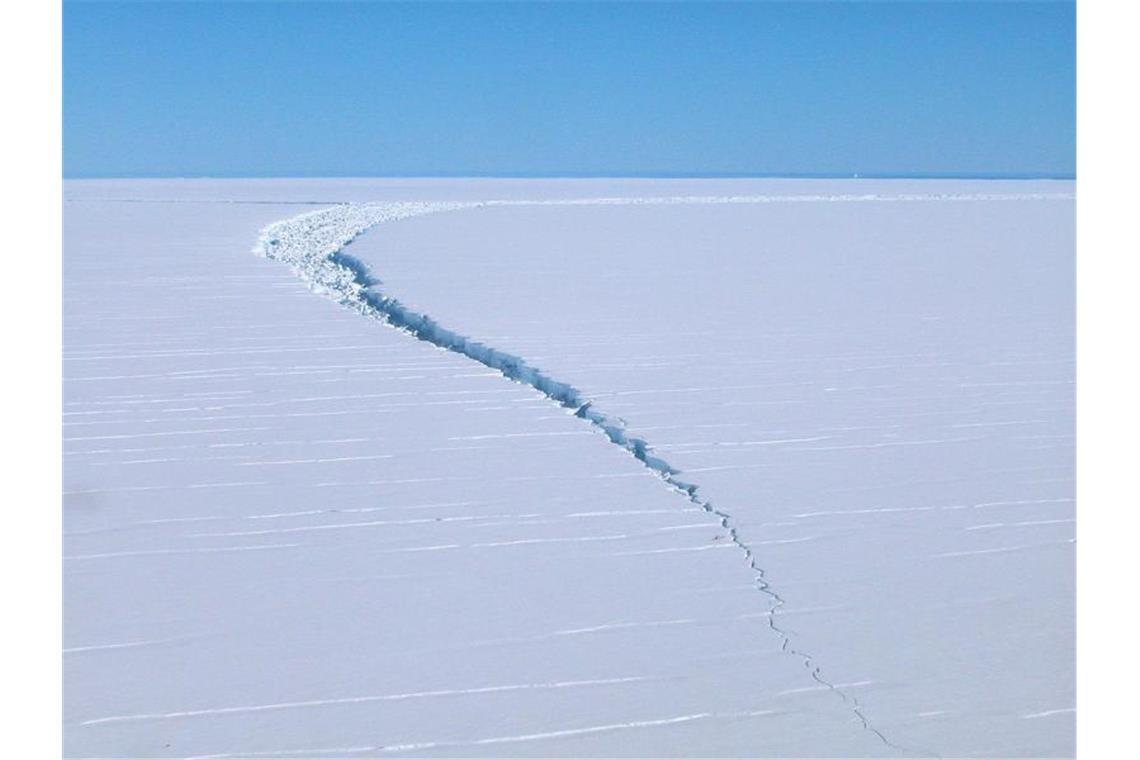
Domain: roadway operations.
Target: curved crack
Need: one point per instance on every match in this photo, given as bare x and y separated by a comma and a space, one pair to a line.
312, 244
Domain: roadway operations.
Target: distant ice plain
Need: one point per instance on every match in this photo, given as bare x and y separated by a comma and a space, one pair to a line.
880, 392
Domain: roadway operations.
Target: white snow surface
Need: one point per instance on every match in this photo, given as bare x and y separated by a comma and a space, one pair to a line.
785, 468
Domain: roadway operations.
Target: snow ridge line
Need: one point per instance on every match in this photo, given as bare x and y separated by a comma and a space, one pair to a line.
312, 245
796, 198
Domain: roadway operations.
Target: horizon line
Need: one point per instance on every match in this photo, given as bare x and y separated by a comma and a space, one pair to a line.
590, 175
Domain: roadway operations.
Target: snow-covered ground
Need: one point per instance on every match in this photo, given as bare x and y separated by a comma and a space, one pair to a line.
786, 469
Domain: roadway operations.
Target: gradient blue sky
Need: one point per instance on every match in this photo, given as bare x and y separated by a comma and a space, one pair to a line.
374, 89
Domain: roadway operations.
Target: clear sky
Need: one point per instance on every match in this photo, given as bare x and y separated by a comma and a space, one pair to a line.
679, 89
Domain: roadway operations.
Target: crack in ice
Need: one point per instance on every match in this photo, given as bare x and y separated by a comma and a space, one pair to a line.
313, 244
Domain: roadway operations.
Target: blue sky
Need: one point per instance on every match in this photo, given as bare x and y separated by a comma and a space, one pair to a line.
679, 89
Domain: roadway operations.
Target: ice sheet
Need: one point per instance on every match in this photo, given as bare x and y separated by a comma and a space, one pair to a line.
291, 528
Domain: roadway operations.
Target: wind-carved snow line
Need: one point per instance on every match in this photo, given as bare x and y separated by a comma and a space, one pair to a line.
312, 244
